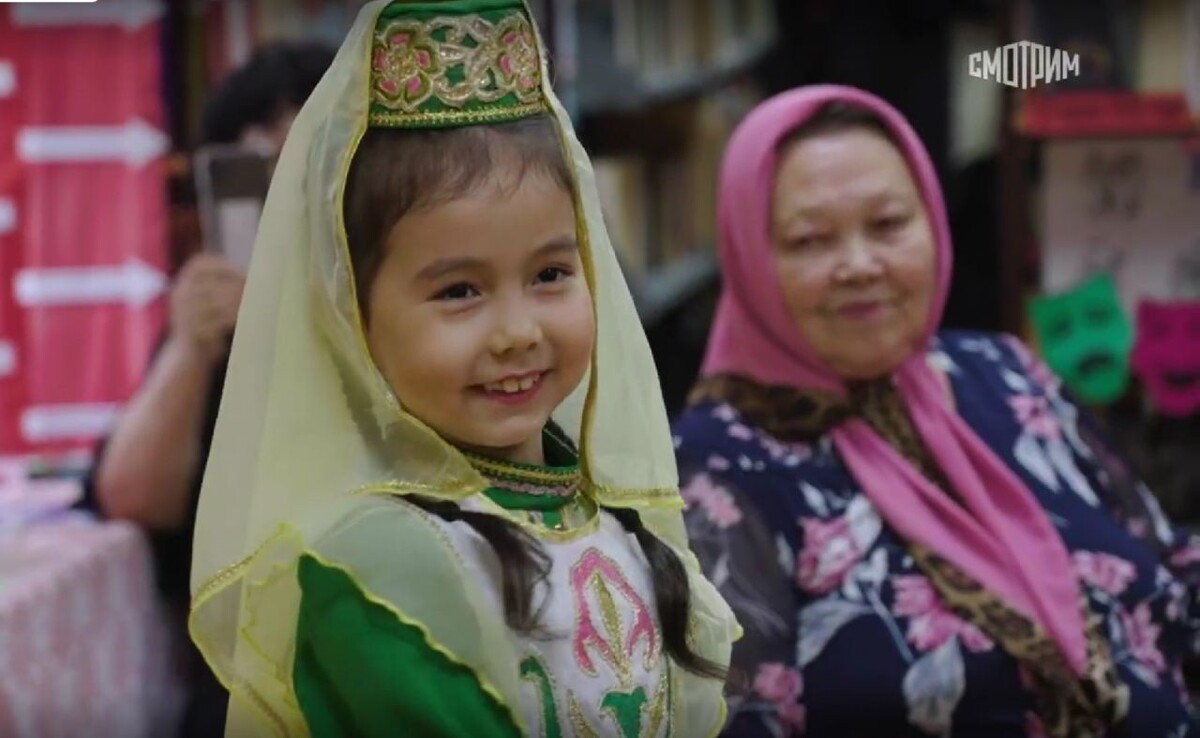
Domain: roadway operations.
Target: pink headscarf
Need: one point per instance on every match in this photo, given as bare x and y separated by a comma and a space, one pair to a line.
1000, 535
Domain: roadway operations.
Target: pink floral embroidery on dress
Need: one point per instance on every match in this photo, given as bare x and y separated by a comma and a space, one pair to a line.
1189, 554
1137, 527
718, 504
740, 432
718, 463
930, 624
1039, 372
829, 552
597, 571
1034, 727
1142, 636
1035, 416
782, 686
725, 412
1104, 571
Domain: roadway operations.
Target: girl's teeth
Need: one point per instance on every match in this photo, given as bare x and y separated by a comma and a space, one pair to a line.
511, 386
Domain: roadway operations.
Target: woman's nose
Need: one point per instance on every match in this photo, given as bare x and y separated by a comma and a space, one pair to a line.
858, 260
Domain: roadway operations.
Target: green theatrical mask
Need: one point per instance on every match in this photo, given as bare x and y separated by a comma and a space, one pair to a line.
1086, 337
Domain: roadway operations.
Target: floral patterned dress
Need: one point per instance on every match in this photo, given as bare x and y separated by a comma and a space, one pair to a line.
846, 637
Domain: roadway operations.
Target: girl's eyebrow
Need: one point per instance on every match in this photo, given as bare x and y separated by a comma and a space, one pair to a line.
557, 245
441, 267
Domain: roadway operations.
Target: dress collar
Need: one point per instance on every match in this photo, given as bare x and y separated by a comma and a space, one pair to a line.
517, 486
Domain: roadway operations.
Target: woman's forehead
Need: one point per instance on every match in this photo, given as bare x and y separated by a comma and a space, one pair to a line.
838, 170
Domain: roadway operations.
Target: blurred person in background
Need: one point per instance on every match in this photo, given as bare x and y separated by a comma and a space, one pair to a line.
149, 469
920, 531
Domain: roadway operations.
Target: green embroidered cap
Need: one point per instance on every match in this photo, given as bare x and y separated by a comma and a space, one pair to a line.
448, 63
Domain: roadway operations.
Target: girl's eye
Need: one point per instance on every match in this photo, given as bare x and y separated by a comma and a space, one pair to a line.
552, 274
460, 291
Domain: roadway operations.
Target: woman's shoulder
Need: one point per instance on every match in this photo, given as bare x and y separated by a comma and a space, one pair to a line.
702, 425
979, 347
714, 430
979, 359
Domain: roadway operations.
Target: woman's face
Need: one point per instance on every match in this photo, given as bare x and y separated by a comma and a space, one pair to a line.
853, 249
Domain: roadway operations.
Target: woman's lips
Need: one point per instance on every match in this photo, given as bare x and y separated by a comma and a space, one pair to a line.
862, 309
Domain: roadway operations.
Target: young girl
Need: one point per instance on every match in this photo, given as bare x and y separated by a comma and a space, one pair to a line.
397, 534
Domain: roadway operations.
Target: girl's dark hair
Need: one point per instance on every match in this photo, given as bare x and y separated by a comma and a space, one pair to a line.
396, 171
838, 116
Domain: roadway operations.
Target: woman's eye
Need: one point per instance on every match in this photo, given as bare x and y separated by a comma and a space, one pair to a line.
803, 243
460, 291
891, 222
552, 274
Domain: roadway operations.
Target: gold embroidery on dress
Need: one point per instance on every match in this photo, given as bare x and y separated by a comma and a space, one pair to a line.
580, 518
454, 61
534, 671
579, 724
612, 623
634, 715
658, 708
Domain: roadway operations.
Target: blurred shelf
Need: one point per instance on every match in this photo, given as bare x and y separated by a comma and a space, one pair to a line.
623, 92
667, 287
1104, 114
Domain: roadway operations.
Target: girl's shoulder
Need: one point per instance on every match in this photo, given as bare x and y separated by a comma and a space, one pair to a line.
423, 569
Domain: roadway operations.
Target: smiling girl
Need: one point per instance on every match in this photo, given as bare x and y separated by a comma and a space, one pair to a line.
442, 499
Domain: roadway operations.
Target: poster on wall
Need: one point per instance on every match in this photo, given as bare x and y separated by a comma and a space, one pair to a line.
1126, 207
83, 218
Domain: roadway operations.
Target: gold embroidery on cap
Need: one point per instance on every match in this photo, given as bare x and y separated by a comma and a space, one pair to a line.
412, 67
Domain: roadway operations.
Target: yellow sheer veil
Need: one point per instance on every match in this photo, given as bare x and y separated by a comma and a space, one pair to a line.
311, 446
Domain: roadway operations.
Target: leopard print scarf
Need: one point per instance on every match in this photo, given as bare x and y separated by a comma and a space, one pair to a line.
1068, 705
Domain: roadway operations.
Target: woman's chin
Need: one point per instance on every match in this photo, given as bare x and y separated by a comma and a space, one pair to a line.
875, 365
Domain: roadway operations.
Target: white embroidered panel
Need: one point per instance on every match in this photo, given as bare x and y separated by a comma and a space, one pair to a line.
599, 668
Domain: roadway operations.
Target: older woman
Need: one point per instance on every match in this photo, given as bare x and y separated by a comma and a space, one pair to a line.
919, 531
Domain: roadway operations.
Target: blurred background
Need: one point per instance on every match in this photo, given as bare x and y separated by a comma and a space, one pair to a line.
107, 182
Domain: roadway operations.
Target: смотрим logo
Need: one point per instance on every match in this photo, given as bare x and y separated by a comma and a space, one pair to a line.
1023, 64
